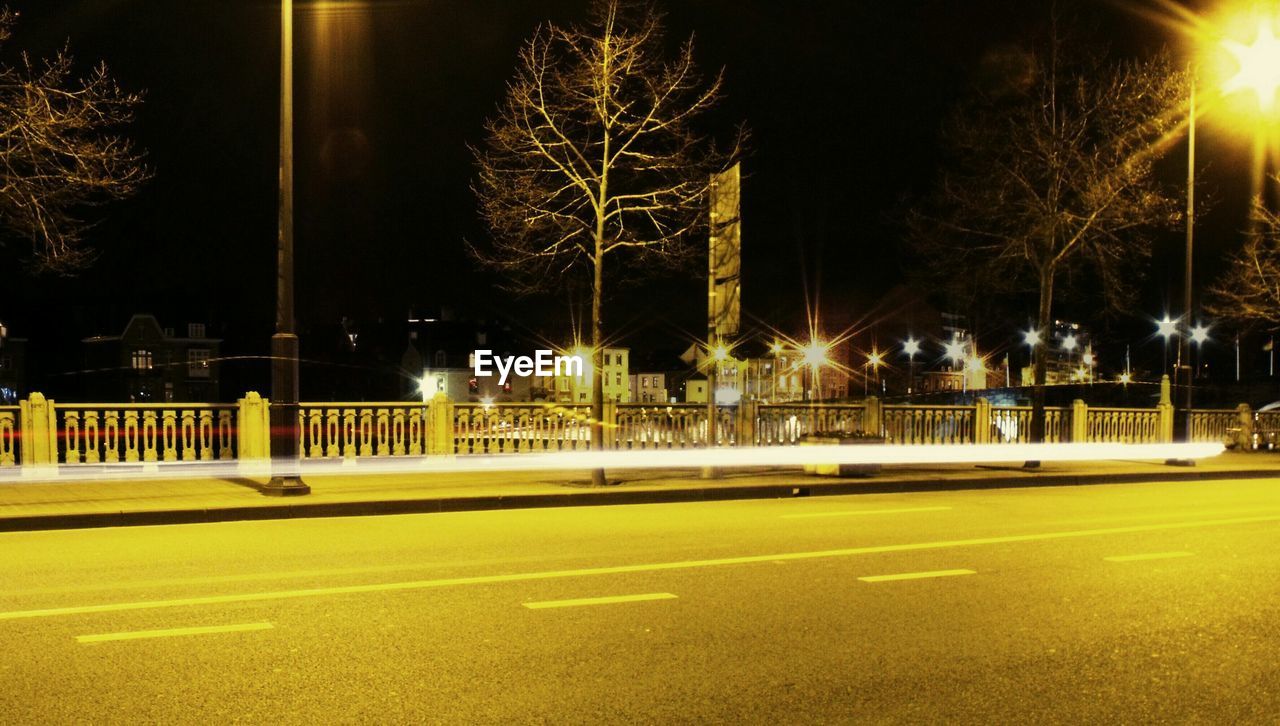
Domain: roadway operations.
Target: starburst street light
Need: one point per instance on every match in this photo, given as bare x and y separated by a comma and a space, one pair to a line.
1069, 343
1031, 338
911, 347
1257, 66
1166, 328
1199, 334
954, 351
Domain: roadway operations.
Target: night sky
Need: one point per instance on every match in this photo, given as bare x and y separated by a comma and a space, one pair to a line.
843, 100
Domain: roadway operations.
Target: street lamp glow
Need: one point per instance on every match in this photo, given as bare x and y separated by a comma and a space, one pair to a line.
1031, 338
776, 348
1199, 334
1126, 377
954, 351
815, 353
1166, 328
1258, 66
1087, 359
911, 347
874, 359
1069, 343
720, 352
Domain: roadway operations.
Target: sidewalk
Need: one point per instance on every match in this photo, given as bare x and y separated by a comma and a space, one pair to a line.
69, 505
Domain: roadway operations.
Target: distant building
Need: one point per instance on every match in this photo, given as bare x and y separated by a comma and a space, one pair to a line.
13, 367
649, 388
439, 357
147, 363
577, 389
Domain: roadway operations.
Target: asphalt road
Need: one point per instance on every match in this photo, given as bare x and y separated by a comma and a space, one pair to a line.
1124, 603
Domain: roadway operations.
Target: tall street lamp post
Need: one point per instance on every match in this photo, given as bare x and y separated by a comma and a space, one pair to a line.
285, 475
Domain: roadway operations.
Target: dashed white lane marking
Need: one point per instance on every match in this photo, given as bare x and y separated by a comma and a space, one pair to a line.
917, 575
855, 512
1147, 556
624, 569
599, 600
172, 632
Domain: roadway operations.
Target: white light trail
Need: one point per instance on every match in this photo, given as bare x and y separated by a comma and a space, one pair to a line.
751, 456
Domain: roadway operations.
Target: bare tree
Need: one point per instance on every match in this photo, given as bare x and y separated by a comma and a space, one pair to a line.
60, 152
1249, 291
593, 157
1051, 174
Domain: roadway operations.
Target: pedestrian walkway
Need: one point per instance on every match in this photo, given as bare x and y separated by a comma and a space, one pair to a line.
70, 504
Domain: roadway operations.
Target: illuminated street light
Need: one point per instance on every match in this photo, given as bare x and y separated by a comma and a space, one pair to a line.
1031, 338
954, 351
1126, 378
1069, 343
720, 352
1199, 334
1087, 359
1258, 66
1166, 329
911, 347
776, 348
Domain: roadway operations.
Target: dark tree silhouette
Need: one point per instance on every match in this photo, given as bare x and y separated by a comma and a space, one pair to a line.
60, 153
1050, 172
594, 157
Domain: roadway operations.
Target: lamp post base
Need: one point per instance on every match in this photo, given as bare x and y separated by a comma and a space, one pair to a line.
285, 486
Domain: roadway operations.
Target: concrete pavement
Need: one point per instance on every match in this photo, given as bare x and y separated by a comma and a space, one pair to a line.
1108, 603
63, 505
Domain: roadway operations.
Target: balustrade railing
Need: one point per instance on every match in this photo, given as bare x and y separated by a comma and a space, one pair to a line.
333, 430
1212, 425
1268, 421
928, 424
669, 426
43, 433
508, 428
1122, 425
9, 435
787, 423
93, 433
1012, 424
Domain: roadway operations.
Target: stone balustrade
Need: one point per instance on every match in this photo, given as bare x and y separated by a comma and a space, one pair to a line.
42, 433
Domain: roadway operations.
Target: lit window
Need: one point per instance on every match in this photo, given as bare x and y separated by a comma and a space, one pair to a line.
142, 360
618, 378
195, 330
198, 363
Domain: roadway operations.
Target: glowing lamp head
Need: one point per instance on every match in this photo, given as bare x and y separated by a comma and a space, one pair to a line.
1199, 334
720, 352
815, 353
1031, 338
776, 348
1257, 66
1166, 328
1087, 359
1126, 378
1069, 343
954, 351
874, 359
911, 347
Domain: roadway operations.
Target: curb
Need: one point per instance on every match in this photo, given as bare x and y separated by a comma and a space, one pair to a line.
596, 497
